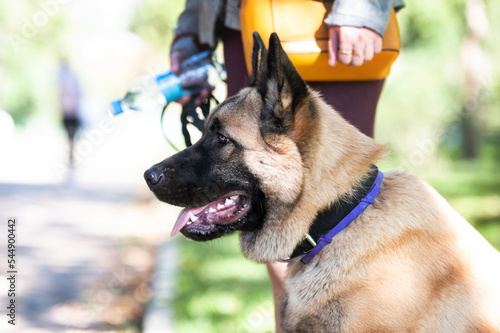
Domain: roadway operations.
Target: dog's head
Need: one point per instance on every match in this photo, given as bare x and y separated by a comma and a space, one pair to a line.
256, 164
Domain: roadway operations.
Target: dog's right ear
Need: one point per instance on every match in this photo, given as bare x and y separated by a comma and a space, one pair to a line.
259, 61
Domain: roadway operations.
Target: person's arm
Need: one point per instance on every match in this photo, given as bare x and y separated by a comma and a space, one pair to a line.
277, 271
357, 28
372, 14
186, 43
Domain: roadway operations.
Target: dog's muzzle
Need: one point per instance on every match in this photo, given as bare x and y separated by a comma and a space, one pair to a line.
153, 177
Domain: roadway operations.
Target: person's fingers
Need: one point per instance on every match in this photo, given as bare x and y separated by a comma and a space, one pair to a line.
369, 52
358, 47
175, 62
358, 57
345, 50
204, 94
348, 42
333, 44
183, 100
176, 58
377, 46
197, 101
375, 39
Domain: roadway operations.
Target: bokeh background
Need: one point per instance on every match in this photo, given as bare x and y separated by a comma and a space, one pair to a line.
90, 238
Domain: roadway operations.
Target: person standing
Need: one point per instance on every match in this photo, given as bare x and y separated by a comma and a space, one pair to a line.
69, 101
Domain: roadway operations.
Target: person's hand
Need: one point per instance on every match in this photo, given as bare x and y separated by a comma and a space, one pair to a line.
176, 58
352, 45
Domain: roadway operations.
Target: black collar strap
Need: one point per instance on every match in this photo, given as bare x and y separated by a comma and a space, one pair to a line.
330, 217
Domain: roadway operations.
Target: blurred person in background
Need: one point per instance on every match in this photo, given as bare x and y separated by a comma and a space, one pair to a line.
356, 29
69, 101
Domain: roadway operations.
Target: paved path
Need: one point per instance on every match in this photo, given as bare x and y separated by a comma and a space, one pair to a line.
86, 244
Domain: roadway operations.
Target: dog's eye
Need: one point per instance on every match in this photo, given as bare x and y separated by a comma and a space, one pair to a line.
222, 139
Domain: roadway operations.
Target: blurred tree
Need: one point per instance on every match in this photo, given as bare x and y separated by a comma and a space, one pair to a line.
432, 24
29, 31
475, 64
450, 41
154, 20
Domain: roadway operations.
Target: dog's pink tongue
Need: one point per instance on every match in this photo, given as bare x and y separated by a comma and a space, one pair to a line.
183, 218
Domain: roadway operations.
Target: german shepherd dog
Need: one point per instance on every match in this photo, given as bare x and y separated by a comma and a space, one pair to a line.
276, 163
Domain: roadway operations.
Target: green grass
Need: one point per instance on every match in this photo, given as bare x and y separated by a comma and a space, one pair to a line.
474, 191
221, 291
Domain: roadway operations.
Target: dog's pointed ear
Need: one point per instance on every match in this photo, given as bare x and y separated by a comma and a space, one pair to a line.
259, 60
283, 80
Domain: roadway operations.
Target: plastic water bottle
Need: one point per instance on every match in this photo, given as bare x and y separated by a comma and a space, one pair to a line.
154, 91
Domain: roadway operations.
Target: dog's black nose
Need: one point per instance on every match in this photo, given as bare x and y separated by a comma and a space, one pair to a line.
153, 177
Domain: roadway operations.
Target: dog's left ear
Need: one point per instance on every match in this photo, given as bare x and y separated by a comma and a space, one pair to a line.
259, 60
283, 80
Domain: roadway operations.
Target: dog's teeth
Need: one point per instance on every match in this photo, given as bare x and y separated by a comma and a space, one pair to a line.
212, 210
192, 217
234, 197
228, 202
189, 222
220, 206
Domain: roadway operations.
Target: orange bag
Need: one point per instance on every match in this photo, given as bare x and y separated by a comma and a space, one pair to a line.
304, 36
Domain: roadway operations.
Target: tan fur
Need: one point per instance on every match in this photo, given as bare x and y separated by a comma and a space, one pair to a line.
284, 171
408, 263
402, 264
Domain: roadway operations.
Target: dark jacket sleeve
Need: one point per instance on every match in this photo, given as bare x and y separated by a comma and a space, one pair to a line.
187, 29
373, 14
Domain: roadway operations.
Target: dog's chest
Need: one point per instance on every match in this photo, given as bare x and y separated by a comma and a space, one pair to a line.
301, 317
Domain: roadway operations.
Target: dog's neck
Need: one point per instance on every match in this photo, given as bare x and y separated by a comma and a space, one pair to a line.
327, 219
